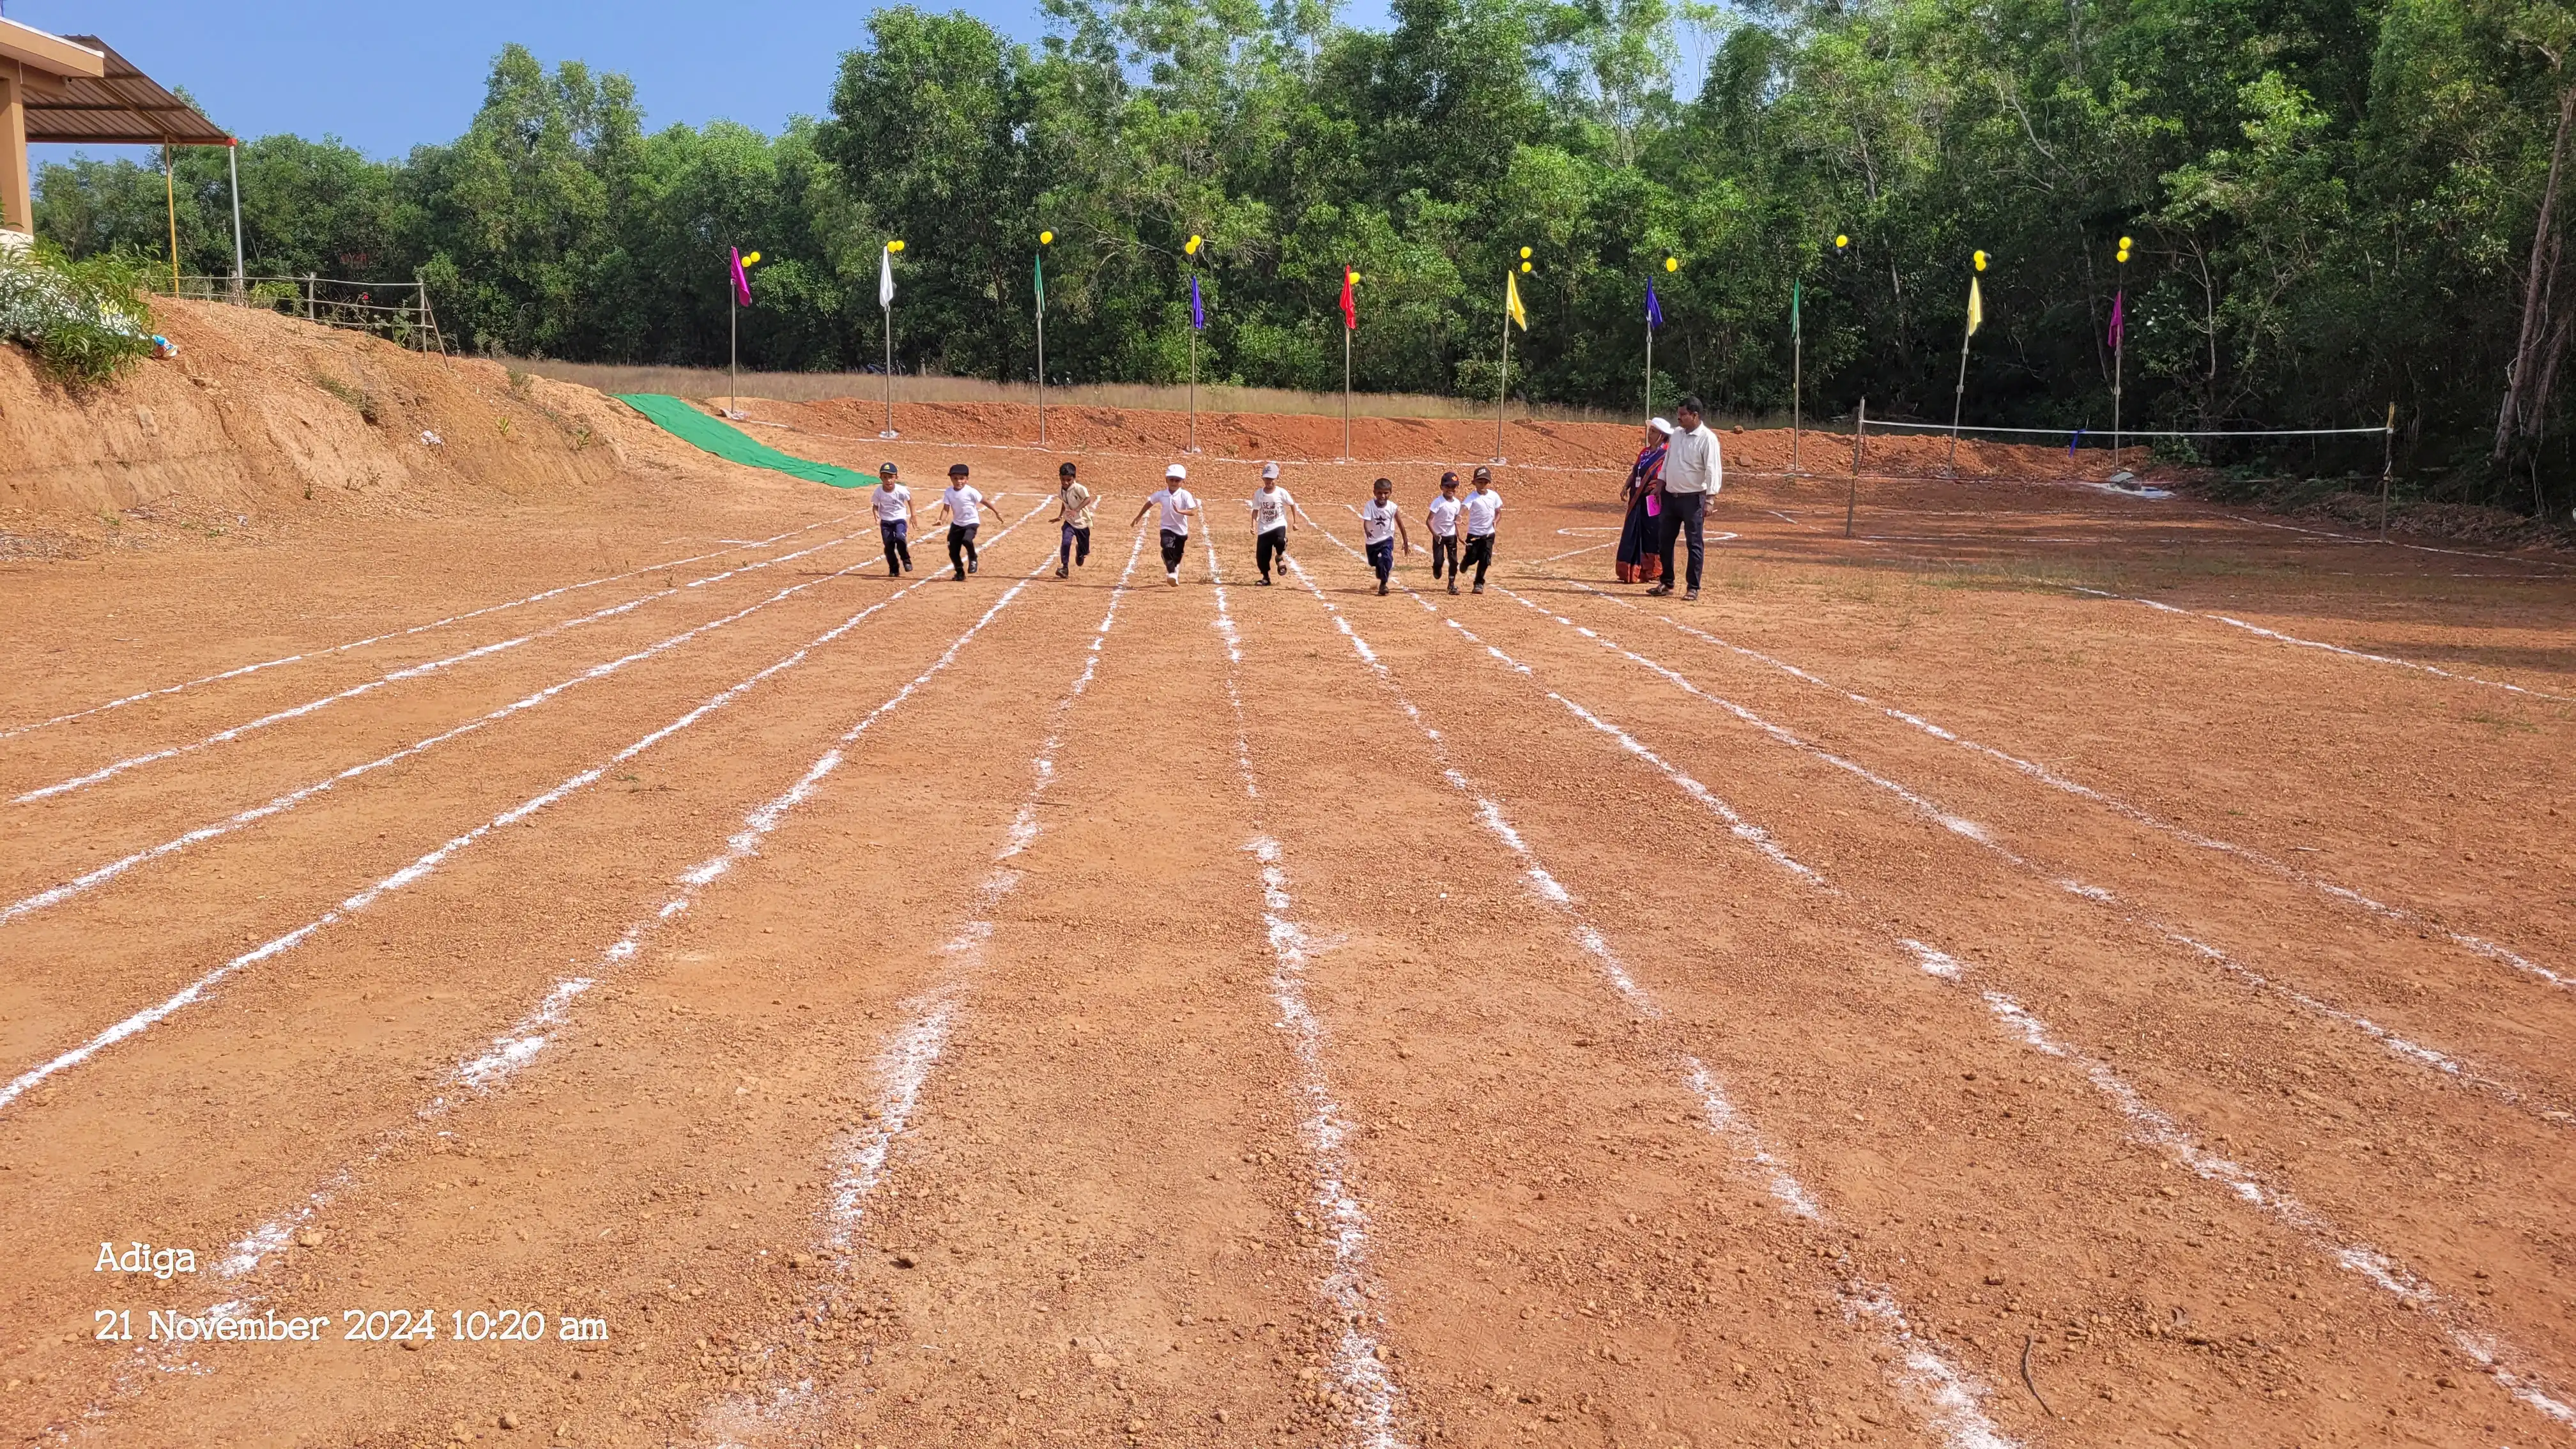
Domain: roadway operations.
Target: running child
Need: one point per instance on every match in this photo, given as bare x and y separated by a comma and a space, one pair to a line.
1381, 524
1177, 504
1073, 507
1482, 506
1442, 519
893, 503
965, 504
1273, 513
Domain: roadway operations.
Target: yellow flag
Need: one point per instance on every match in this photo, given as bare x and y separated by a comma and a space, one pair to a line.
1976, 308
1512, 300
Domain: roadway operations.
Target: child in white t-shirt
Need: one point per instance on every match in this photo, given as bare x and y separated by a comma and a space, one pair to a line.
1442, 519
1178, 504
893, 504
1274, 511
1381, 524
1482, 507
965, 504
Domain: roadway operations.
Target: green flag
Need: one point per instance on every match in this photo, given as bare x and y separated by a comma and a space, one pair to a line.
1038, 262
1793, 306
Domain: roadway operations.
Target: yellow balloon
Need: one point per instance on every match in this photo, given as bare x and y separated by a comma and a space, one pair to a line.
1841, 241
1981, 261
1672, 264
2124, 244
1193, 247
748, 258
1524, 266
2124, 254
1046, 238
1525, 256
895, 246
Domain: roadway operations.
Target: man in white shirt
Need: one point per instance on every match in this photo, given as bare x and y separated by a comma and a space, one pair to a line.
1694, 469
1073, 508
1381, 523
1483, 506
1442, 519
1274, 512
893, 503
965, 504
1177, 504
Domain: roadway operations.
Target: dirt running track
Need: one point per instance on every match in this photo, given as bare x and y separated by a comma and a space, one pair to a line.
2053, 968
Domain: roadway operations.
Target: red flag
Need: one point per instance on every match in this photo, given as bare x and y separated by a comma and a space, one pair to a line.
1350, 307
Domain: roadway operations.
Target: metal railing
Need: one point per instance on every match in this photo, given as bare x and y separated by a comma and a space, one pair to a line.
400, 312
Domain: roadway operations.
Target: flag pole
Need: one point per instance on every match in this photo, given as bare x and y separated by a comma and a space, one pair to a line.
1958, 396
1502, 384
1797, 376
1346, 394
733, 349
1043, 238
1650, 364
1194, 367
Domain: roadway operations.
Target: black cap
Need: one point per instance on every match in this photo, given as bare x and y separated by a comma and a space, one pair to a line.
1064, 470
1484, 475
956, 470
885, 470
1446, 479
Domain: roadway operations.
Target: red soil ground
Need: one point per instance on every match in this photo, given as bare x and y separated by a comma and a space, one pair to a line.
1903, 997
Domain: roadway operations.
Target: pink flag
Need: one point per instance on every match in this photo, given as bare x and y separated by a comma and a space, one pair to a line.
742, 283
2119, 323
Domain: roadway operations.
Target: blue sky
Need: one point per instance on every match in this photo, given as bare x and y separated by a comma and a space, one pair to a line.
387, 80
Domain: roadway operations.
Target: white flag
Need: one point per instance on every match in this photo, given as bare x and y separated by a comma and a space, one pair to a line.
885, 279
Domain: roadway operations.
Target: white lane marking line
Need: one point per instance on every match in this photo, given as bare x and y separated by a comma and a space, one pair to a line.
539, 1027
2155, 1127
428, 864
92, 879
1376, 1401
1946, 1397
2515, 558
2041, 773
237, 672
1741, 828
2292, 639
408, 672
904, 1064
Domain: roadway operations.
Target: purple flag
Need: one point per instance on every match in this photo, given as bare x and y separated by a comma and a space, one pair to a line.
2119, 322
1654, 311
741, 282
1198, 311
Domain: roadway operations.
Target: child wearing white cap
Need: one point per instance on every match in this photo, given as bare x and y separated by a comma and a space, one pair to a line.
1273, 510
1177, 504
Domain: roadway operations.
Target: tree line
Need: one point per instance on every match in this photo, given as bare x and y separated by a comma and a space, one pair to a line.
2333, 204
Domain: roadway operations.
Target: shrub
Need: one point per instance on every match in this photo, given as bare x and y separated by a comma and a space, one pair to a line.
86, 320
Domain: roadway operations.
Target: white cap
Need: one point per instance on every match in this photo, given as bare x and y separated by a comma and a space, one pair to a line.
1659, 425
1269, 470
1176, 473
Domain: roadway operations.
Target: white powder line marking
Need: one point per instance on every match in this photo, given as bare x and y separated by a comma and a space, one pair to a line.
408, 672
1376, 1402
541, 1025
101, 875
235, 673
2155, 1127
2515, 558
904, 1064
2407, 1050
2292, 639
2042, 774
1741, 828
1947, 1399
428, 864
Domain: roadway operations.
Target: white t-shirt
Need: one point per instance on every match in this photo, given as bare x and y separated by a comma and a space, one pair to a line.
961, 505
1172, 501
1444, 515
1481, 508
894, 505
1377, 520
1270, 509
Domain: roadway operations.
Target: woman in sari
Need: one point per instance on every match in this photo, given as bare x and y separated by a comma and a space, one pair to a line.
1640, 561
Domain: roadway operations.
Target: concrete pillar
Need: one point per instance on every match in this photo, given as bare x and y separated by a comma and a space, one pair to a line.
17, 198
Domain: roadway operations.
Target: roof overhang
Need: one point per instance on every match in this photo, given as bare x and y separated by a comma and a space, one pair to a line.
87, 94
50, 55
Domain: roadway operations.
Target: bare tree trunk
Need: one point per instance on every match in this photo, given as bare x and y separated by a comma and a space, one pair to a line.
2520, 405
2550, 357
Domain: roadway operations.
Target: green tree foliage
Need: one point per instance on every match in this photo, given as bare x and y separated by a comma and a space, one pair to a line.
2336, 204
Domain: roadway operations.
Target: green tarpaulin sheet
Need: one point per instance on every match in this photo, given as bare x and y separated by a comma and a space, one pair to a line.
729, 442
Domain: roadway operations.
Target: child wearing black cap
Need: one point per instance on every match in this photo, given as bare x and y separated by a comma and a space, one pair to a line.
964, 506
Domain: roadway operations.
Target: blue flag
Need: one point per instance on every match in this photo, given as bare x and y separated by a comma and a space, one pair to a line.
1654, 310
1198, 311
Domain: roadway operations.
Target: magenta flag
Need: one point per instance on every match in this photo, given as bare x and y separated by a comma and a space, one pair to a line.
2119, 322
742, 283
